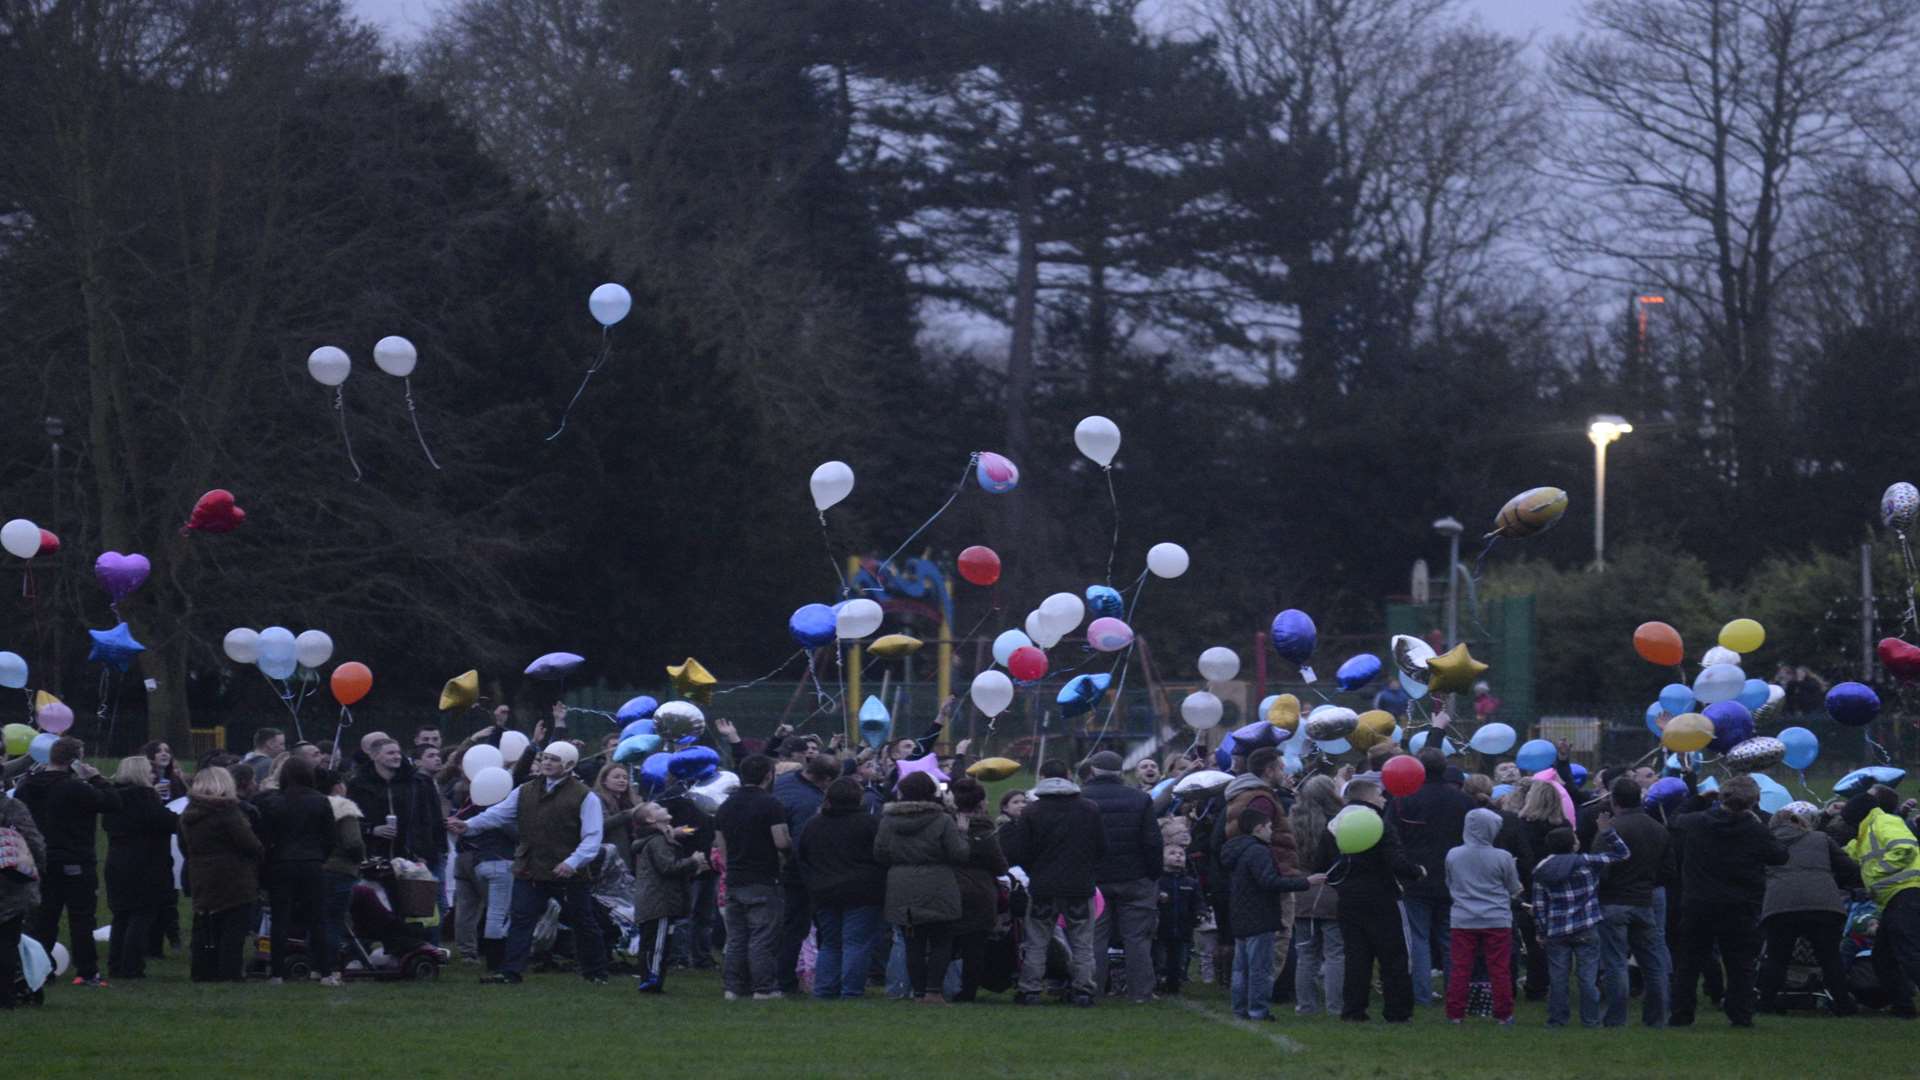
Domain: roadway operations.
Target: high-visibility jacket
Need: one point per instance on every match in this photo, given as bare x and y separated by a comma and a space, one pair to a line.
1888, 855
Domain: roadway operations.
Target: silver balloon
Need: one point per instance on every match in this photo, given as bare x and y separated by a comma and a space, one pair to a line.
1899, 506
1410, 656
1775, 695
1330, 722
1759, 752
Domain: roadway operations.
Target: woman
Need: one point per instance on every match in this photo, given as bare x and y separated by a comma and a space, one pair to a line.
1319, 973
1011, 806
491, 853
979, 884
920, 844
170, 784
614, 786
223, 874
299, 825
660, 878
342, 867
1804, 903
139, 867
847, 886
1540, 814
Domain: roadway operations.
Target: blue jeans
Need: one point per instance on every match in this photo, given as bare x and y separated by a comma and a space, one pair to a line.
1641, 931
1576, 956
1319, 966
496, 876
339, 904
843, 939
1422, 917
1252, 975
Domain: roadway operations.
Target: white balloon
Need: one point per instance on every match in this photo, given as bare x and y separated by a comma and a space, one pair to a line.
480, 758
1008, 641
278, 643
1720, 682
313, 648
1720, 654
1041, 633
992, 692
21, 538
512, 745
831, 482
59, 959
329, 365
1062, 612
395, 355
857, 619
490, 786
242, 645
1219, 664
1200, 710
1167, 560
277, 667
610, 303
1098, 438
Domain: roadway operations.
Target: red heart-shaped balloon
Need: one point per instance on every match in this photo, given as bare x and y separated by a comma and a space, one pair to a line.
1901, 659
215, 513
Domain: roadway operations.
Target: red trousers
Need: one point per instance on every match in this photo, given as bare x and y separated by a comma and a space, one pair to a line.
1497, 947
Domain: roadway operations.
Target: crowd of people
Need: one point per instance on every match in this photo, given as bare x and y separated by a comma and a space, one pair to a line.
830, 871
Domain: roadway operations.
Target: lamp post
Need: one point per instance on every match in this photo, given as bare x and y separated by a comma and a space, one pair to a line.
1452, 529
56, 428
1602, 431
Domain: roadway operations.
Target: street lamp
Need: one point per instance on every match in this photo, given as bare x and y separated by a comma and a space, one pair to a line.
1602, 431
1452, 529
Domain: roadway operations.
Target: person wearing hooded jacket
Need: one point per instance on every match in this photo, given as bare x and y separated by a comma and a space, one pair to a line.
1889, 859
1431, 823
1259, 891
223, 874
1369, 886
298, 826
979, 884
1804, 903
1483, 881
848, 886
139, 870
1724, 853
1057, 842
1128, 873
387, 785
919, 843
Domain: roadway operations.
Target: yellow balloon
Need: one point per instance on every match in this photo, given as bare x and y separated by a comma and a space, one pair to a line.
42, 699
460, 692
1453, 670
1687, 733
1531, 511
993, 768
1284, 713
895, 645
1373, 727
1743, 635
692, 681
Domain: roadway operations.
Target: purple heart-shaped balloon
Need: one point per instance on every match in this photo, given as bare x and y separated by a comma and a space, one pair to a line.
120, 574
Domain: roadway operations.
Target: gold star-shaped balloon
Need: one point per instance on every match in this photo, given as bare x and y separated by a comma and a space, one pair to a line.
460, 692
692, 681
1284, 713
895, 645
1454, 670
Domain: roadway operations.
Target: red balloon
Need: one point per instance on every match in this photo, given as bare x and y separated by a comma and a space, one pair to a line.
1402, 775
49, 543
215, 513
1901, 659
980, 565
1028, 664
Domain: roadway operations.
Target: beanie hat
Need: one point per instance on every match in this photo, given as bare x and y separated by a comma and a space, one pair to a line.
1105, 761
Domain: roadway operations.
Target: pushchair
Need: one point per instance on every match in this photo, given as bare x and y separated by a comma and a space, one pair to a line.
553, 947
382, 942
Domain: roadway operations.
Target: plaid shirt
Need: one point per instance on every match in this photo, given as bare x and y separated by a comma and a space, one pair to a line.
1574, 905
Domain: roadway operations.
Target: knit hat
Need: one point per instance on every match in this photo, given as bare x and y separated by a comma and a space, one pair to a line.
563, 750
1105, 761
1858, 808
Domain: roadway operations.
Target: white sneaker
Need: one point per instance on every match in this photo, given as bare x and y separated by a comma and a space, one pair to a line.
332, 980
276, 982
731, 996
775, 996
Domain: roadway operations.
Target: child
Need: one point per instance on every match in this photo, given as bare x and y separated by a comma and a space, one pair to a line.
1483, 881
1566, 907
1368, 885
1179, 913
660, 880
1256, 910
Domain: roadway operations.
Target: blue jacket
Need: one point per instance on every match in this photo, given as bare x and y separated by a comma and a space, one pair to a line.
801, 801
1132, 833
1257, 905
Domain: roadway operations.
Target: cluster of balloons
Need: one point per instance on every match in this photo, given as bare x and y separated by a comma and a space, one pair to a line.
22, 539
277, 651
814, 625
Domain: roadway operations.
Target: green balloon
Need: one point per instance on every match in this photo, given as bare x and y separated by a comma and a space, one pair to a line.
18, 737
1357, 830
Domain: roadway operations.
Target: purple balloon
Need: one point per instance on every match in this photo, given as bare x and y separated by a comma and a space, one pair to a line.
555, 665
120, 574
1732, 725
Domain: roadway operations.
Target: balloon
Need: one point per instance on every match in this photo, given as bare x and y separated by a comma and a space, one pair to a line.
1773, 795
1802, 747
1666, 793
279, 643
1532, 511
893, 645
857, 618
694, 763
1331, 747
1720, 682
992, 692
242, 645
1658, 643
1293, 636
1356, 829
1901, 659
490, 786
996, 474
395, 355
13, 671
512, 745
1453, 671
987, 770
1284, 713
277, 667
609, 303
812, 625
17, 737
635, 746
119, 574
49, 543
1328, 723
1536, 754
677, 720
1358, 671
640, 725
1732, 725
1402, 775
21, 538
1657, 715
1104, 600
1861, 779
1410, 658
115, 648
692, 681
313, 648
1039, 632
1293, 765
1219, 664
979, 565
59, 958
635, 709
350, 682
710, 793
831, 482
926, 763
1719, 654
1062, 613
1109, 635
1081, 693
1224, 753
1687, 733
460, 692
480, 757
1899, 505
54, 717
1098, 438
1008, 641
653, 772
1495, 738
555, 665
1742, 636
1676, 698
1753, 694
1373, 727
1423, 739
1027, 664
1759, 752
1775, 695
1853, 704
329, 365
1196, 785
1167, 560
1200, 710
41, 748
214, 512
1253, 736
875, 722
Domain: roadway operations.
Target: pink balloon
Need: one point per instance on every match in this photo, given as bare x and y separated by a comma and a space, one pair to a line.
1107, 634
54, 718
1099, 909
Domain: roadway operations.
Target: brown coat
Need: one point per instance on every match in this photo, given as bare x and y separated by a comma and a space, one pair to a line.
1286, 849
223, 855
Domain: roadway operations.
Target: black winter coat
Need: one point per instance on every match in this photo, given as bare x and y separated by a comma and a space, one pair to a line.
139, 850
836, 859
1631, 882
979, 887
1724, 857
920, 844
66, 809
223, 854
412, 798
1131, 832
1259, 890
1370, 880
1057, 839
1431, 822
296, 825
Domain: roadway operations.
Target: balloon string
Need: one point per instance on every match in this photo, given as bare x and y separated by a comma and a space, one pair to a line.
606, 349
346, 721
416, 424
340, 406
972, 460
763, 678
1138, 588
1114, 501
826, 540
1911, 619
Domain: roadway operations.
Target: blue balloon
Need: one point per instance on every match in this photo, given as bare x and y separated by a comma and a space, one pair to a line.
1081, 693
1853, 704
116, 648
1676, 698
1803, 747
41, 748
1773, 794
1679, 763
694, 763
1654, 712
1162, 787
635, 747
273, 667
875, 722
1667, 793
811, 626
1535, 755
1753, 694
653, 772
1334, 746
639, 708
1294, 635
1358, 671
1223, 754
1256, 735
1501, 791
1293, 765
1860, 780
1579, 774
1104, 601
1732, 725
1420, 740
642, 726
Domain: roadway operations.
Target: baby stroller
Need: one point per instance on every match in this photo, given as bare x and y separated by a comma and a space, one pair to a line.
1856, 955
612, 890
381, 942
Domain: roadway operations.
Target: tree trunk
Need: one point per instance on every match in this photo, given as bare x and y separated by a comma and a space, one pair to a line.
1026, 288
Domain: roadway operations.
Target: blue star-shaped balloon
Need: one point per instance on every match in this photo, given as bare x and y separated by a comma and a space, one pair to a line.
115, 647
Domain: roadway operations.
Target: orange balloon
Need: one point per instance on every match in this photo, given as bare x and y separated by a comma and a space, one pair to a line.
351, 681
1658, 643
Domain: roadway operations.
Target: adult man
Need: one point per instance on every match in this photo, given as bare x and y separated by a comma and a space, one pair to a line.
559, 822
1146, 772
1724, 852
1430, 823
67, 798
753, 835
400, 812
1889, 859
1633, 911
307, 752
268, 742
801, 794
1128, 874
426, 735
1058, 842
